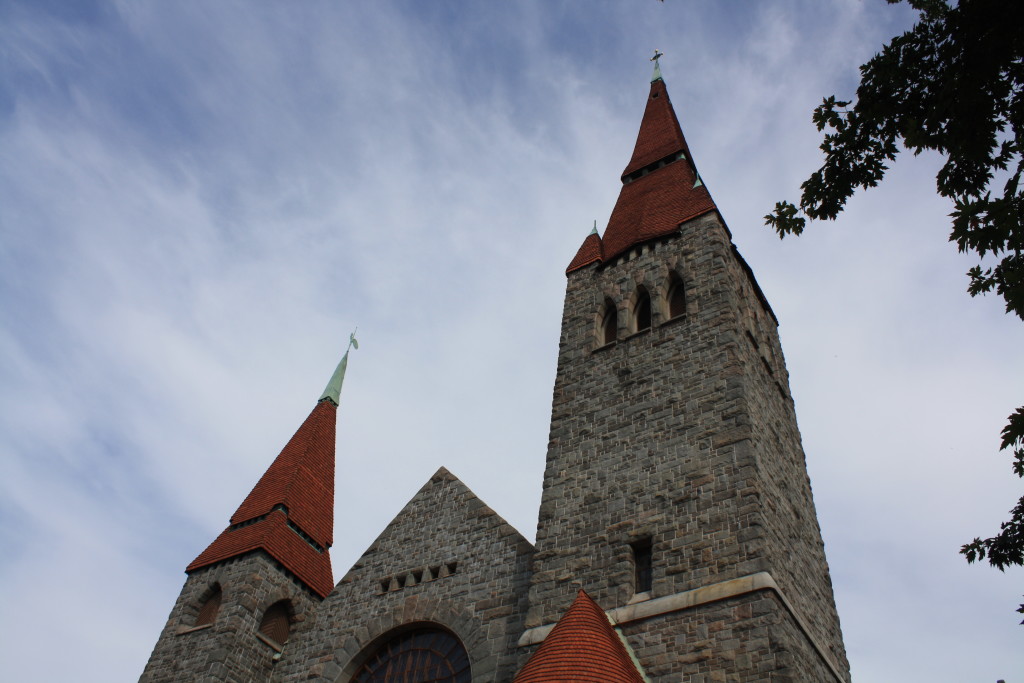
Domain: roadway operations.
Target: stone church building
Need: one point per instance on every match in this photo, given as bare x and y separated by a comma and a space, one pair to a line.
677, 538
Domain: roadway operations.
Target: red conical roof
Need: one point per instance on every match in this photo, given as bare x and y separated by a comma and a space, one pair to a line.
589, 252
582, 647
661, 188
660, 134
290, 511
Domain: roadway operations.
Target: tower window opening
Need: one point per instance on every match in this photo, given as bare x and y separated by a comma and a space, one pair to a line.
210, 607
643, 574
676, 298
610, 323
276, 622
642, 311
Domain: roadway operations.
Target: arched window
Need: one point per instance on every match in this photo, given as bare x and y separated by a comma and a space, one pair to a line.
609, 323
276, 622
424, 654
676, 297
208, 610
642, 310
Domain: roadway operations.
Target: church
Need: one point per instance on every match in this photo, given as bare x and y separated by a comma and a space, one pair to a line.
676, 540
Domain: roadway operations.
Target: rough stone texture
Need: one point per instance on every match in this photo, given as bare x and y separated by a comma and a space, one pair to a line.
795, 552
444, 527
657, 435
684, 434
229, 651
747, 638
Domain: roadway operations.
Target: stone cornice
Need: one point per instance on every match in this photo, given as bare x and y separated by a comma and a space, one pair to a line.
678, 602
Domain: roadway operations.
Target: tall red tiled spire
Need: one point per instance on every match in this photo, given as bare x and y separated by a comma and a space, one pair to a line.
661, 188
582, 647
290, 512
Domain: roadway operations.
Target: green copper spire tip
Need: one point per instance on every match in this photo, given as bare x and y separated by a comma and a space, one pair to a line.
594, 231
657, 66
332, 392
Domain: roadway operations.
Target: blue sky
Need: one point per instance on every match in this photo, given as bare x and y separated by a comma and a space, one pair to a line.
200, 200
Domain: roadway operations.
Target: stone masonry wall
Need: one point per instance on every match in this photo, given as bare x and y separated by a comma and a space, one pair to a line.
446, 559
648, 434
745, 638
228, 651
793, 536
682, 435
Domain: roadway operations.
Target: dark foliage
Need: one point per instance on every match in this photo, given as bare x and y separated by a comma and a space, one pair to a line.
953, 84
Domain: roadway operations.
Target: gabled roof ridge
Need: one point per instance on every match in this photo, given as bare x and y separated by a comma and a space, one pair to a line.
447, 475
443, 474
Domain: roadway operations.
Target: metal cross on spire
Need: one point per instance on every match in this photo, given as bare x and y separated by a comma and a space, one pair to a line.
657, 65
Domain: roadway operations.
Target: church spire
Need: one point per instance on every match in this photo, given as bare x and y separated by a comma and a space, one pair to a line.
289, 514
332, 392
661, 188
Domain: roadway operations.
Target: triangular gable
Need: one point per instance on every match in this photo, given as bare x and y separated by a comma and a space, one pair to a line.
445, 522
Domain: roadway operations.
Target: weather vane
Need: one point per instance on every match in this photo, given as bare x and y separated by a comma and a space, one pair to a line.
657, 55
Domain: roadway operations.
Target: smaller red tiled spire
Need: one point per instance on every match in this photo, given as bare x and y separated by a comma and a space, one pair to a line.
589, 252
582, 647
289, 514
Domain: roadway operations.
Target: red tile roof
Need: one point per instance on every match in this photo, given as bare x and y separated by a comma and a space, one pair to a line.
590, 251
297, 488
582, 647
273, 535
654, 204
660, 134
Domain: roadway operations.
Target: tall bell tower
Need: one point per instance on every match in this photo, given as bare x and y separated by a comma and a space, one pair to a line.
675, 491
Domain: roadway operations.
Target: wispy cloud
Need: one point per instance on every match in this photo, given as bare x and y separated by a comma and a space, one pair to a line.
198, 202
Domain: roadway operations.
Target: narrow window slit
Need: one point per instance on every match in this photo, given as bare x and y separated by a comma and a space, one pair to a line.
643, 565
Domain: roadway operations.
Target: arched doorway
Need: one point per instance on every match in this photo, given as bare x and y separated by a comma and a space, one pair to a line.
426, 654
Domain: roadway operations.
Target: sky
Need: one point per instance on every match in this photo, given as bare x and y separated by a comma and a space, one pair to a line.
199, 201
